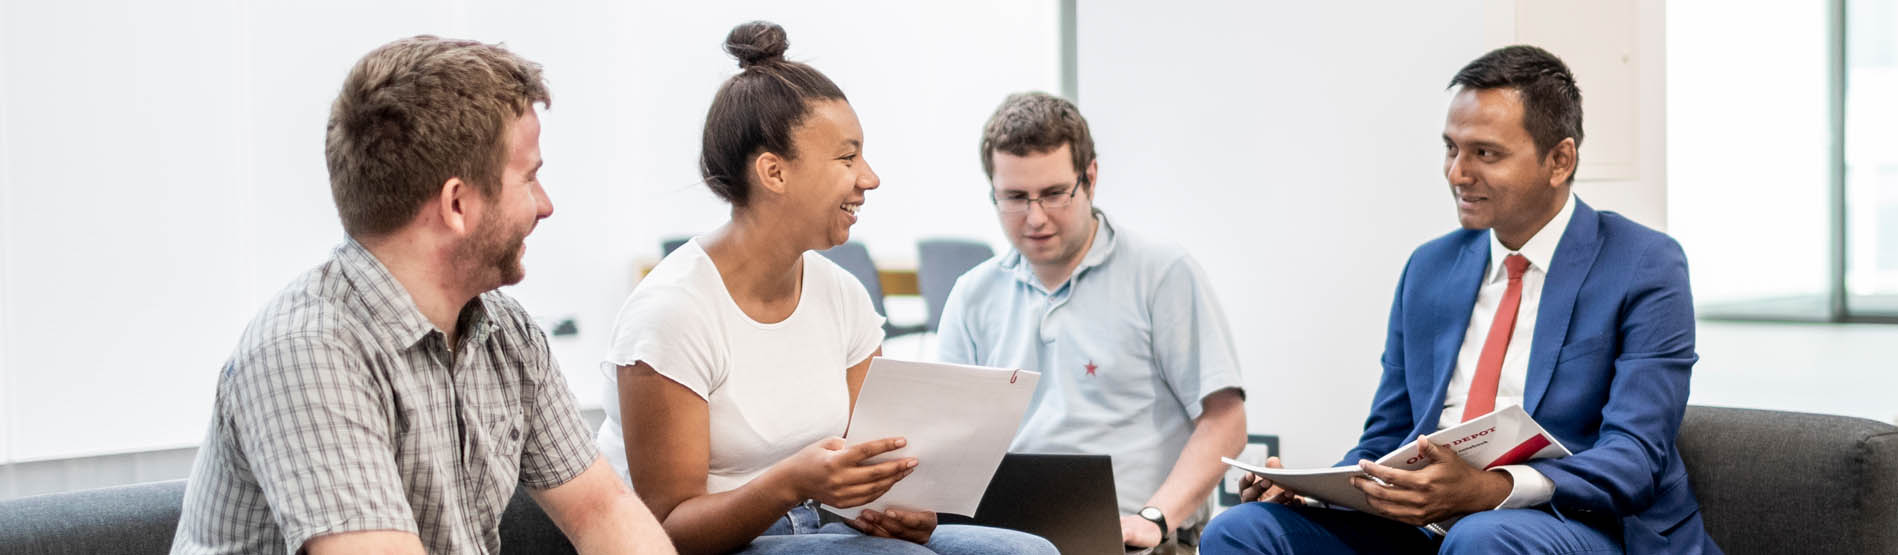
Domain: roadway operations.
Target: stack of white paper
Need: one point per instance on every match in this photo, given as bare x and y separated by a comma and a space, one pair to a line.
1507, 436
958, 420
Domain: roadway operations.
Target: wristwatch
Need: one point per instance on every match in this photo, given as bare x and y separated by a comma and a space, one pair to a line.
1155, 515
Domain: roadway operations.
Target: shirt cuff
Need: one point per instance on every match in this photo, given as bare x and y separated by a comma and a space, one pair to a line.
1531, 487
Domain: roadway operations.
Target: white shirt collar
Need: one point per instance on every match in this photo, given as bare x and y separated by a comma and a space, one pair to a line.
1540, 249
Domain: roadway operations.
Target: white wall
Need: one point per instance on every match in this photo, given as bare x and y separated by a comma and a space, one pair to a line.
1293, 149
161, 169
126, 169
6, 380
1832, 369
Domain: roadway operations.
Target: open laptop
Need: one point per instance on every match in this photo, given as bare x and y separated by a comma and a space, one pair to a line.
1068, 499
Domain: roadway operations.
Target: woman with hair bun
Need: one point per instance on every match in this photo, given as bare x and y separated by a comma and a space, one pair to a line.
736, 361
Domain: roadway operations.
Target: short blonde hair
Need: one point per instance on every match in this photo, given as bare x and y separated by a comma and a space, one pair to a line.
416, 112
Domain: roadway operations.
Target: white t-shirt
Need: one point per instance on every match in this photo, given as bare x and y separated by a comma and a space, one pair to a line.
770, 389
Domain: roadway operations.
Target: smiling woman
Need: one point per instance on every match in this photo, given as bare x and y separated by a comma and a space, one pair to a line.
736, 361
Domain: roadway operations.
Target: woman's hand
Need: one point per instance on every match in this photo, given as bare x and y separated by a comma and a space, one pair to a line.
835, 475
911, 526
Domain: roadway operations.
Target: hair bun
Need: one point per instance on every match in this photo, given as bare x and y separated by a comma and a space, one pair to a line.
757, 42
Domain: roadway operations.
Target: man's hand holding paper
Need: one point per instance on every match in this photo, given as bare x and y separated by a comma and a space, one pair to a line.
1433, 479
1445, 488
1253, 487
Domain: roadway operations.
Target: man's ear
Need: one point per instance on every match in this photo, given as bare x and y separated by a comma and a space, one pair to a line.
1093, 175
770, 169
453, 205
1561, 161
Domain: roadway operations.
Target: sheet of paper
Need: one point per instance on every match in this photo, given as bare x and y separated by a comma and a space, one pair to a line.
958, 419
1507, 436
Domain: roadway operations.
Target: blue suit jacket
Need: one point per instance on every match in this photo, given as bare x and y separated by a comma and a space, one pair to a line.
1608, 371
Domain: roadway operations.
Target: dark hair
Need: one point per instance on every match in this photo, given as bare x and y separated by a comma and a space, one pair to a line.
757, 109
414, 113
1035, 123
1551, 103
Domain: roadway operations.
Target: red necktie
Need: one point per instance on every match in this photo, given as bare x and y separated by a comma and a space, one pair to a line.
1489, 368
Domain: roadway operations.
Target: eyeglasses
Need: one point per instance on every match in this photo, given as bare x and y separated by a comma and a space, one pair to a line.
1015, 204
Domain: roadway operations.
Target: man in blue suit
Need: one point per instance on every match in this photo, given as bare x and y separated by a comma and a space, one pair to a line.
1582, 317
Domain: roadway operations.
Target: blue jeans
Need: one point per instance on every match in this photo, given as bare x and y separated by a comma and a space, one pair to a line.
800, 531
1274, 528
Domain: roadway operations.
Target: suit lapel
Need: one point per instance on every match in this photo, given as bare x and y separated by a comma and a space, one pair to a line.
1574, 255
1454, 304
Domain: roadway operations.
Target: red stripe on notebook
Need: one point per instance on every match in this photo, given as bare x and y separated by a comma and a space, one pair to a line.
1521, 453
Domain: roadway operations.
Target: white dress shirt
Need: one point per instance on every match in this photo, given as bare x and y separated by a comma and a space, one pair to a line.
1531, 487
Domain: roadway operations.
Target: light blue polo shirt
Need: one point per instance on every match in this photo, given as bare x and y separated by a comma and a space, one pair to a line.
1127, 348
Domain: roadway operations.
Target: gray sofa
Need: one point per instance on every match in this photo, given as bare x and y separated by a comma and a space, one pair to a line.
1768, 481
141, 518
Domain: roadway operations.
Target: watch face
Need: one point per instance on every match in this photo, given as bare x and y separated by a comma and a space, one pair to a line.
1152, 513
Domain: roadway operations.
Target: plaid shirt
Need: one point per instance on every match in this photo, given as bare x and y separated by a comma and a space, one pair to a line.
343, 410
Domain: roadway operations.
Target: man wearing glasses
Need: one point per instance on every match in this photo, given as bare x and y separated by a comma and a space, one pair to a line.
1136, 357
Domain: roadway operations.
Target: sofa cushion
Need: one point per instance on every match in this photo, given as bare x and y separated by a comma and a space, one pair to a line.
526, 529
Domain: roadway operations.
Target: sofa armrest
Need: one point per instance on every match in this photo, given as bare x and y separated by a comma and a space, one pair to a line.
1788, 482
133, 519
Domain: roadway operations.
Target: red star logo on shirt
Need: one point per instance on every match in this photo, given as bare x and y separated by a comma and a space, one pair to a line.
1091, 367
